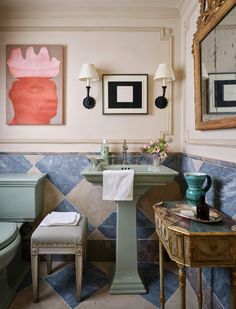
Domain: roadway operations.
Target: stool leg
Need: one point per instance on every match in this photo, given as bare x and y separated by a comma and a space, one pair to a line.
49, 264
35, 274
78, 272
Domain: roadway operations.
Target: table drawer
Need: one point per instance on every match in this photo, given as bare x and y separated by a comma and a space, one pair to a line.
209, 250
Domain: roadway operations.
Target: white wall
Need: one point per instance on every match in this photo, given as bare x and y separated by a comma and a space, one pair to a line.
134, 46
217, 144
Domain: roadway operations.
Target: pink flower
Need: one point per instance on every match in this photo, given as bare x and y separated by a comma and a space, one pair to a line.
156, 148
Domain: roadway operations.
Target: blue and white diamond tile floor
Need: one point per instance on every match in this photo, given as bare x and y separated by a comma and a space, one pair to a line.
57, 291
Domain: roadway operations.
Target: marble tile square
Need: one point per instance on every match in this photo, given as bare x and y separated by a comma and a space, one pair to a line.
63, 170
63, 283
145, 159
108, 227
197, 164
148, 250
88, 199
52, 198
150, 275
169, 192
14, 164
191, 299
34, 158
101, 250
222, 194
219, 279
172, 161
145, 227
96, 235
65, 206
47, 299
103, 300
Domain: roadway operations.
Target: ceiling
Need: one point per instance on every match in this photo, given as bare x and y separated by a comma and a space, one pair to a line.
92, 9
90, 3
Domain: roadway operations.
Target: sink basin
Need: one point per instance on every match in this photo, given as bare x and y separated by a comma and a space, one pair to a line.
144, 175
126, 277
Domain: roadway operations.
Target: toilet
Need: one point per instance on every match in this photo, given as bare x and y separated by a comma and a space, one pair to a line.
21, 200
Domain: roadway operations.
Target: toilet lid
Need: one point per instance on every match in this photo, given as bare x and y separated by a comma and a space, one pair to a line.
8, 232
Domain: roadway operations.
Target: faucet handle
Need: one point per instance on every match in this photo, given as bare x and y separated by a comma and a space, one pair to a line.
95, 161
125, 147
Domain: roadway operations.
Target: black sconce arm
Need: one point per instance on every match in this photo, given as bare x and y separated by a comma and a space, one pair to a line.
161, 102
89, 102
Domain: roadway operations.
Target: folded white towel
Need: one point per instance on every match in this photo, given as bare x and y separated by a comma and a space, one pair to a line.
61, 218
118, 185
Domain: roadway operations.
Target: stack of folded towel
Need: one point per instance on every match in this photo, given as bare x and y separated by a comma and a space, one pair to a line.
61, 218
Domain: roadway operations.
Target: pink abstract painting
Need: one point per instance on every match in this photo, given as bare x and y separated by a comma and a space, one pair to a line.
34, 84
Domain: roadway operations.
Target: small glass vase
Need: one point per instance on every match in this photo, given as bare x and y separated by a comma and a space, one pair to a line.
156, 161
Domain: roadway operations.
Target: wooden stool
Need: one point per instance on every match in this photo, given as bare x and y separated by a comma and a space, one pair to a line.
64, 239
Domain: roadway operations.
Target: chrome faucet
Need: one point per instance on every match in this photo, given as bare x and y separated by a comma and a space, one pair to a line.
125, 148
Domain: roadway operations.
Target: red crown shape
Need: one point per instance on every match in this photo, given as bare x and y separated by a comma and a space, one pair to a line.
33, 65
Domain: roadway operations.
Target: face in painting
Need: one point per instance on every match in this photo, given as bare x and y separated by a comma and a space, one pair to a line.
34, 100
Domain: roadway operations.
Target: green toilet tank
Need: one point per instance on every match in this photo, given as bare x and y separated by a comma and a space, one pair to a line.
21, 196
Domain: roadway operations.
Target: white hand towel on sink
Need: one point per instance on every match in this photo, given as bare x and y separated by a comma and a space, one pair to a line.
118, 185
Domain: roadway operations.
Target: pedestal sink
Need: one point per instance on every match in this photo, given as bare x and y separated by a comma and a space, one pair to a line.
126, 277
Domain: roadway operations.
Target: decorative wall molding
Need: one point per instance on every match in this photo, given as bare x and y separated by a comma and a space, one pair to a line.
212, 142
69, 141
165, 34
164, 31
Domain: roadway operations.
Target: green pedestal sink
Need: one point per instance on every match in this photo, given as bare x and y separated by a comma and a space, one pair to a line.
126, 277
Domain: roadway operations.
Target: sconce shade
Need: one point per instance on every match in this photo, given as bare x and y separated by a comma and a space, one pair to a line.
164, 71
89, 74
88, 71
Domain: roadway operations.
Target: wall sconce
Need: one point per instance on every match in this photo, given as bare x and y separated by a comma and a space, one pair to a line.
89, 74
164, 72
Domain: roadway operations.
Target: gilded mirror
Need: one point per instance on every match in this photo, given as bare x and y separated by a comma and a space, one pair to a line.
214, 51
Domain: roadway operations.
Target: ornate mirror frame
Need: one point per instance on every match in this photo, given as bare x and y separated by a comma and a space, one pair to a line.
211, 13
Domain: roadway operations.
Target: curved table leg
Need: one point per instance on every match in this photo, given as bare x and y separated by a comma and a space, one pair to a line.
161, 267
233, 288
182, 285
199, 282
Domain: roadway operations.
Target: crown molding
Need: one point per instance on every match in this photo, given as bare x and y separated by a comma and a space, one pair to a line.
165, 32
90, 13
187, 6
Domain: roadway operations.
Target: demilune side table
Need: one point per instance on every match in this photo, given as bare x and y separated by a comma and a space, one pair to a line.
194, 244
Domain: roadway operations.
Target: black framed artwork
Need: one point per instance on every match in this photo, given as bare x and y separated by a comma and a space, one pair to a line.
125, 93
222, 93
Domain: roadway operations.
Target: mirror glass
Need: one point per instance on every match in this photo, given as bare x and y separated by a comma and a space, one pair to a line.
218, 70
